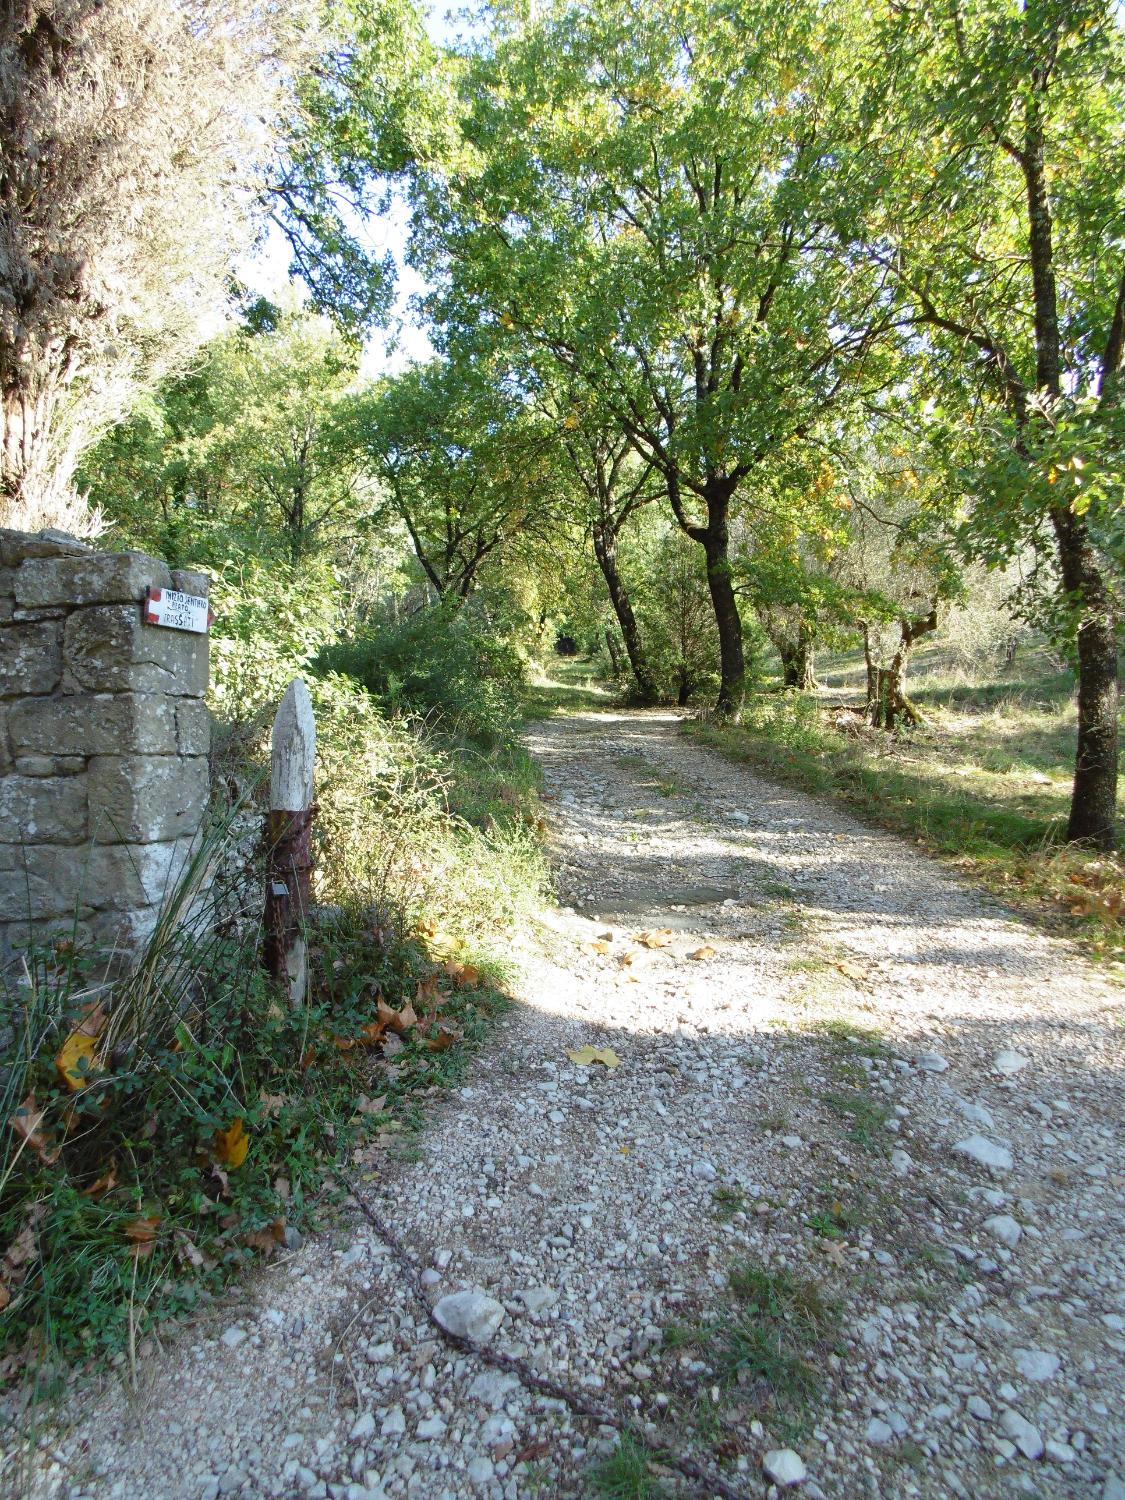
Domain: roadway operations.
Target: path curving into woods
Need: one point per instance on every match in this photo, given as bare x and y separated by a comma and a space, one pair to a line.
808, 1099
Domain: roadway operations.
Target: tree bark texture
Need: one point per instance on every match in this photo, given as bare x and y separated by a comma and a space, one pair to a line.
728, 622
1093, 805
605, 550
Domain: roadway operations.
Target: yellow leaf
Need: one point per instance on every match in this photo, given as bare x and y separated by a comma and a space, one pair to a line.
1052, 476
851, 971
658, 938
76, 1061
705, 952
587, 1055
596, 947
232, 1144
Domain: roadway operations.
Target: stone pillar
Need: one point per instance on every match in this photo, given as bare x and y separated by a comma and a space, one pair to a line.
104, 738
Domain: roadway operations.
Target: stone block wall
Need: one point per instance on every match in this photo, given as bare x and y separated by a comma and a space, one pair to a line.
104, 738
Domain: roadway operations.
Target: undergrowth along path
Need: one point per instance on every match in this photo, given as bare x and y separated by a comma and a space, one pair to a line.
771, 1225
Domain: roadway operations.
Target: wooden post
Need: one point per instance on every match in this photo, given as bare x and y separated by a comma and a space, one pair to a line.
288, 837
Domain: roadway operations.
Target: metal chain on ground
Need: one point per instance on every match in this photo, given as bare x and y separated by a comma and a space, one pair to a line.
711, 1482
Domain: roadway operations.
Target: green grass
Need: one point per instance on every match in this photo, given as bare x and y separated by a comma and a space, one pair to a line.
626, 1474
849, 1037
866, 1117
765, 1345
985, 781
568, 684
728, 1201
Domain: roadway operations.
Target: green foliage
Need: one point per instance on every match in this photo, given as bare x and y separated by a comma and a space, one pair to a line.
442, 665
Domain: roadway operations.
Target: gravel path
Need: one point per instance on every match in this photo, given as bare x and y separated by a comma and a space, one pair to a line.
811, 1096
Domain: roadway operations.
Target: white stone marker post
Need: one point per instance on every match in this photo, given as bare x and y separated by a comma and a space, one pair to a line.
288, 836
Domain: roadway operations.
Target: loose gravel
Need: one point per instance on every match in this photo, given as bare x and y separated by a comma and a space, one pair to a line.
870, 1074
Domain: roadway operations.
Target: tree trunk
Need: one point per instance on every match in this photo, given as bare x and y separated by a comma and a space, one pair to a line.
732, 661
614, 650
605, 549
1093, 806
798, 660
887, 703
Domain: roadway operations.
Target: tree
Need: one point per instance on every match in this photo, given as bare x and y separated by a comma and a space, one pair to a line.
658, 200
251, 450
131, 133
1004, 185
614, 483
463, 462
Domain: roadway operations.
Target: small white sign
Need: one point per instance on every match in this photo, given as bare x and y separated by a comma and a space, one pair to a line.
177, 611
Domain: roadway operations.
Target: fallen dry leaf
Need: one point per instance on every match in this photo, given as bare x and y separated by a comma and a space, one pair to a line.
427, 989
77, 1060
626, 958
658, 937
232, 1144
141, 1234
188, 1252
27, 1122
398, 1020
836, 1251
266, 1240
366, 1106
851, 971
705, 952
466, 975
446, 1036
600, 946
104, 1184
586, 1056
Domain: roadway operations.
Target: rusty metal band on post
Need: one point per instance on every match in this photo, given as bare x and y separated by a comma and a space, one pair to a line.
288, 883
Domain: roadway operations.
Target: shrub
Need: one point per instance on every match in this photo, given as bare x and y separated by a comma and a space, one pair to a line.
442, 665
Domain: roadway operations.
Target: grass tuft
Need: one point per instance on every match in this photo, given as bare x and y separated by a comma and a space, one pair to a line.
626, 1473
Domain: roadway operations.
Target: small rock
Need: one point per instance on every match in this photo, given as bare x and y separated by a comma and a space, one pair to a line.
1037, 1364
704, 1170
792, 1141
480, 1470
1009, 1062
363, 1428
976, 1114
1113, 1489
394, 1423
932, 1062
536, 1298
988, 1153
1004, 1228
209, 1490
902, 1162
1021, 1432
469, 1315
878, 1431
1062, 1453
232, 1337
978, 1407
784, 1467
1114, 1322
430, 1428
492, 1387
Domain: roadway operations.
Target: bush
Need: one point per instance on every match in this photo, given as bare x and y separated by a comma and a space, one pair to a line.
441, 665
